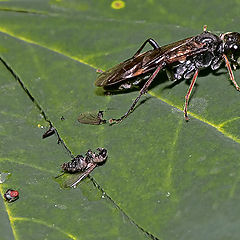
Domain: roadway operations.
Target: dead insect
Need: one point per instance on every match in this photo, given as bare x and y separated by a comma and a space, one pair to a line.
49, 132
85, 164
181, 60
93, 118
11, 195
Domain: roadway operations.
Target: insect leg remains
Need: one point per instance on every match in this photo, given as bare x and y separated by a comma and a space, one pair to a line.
189, 93
84, 174
142, 91
152, 42
230, 72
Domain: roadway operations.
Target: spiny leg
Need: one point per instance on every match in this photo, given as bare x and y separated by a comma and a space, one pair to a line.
230, 72
84, 174
152, 42
142, 91
189, 93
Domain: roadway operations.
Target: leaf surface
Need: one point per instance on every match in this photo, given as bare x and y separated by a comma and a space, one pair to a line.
172, 179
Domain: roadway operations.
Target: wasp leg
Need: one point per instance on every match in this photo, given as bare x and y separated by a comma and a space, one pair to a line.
152, 42
142, 91
84, 175
230, 72
189, 93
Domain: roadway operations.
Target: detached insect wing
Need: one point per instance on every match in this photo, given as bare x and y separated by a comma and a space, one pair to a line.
92, 118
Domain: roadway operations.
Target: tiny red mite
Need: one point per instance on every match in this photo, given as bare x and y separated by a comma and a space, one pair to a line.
11, 195
181, 60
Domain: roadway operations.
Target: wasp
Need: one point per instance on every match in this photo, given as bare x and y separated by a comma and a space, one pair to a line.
181, 60
85, 164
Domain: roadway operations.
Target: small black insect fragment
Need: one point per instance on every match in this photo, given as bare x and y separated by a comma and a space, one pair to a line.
11, 195
49, 132
93, 118
85, 164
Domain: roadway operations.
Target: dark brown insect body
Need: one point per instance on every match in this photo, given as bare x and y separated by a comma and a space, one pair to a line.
181, 60
85, 164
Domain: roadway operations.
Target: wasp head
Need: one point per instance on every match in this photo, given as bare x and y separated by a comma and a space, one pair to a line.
101, 156
231, 44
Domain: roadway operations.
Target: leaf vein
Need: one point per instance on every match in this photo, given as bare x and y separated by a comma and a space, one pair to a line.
38, 221
9, 215
204, 120
27, 164
55, 50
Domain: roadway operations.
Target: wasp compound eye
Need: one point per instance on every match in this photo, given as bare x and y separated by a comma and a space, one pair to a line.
11, 195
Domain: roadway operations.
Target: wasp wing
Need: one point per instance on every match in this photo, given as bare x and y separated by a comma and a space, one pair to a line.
148, 61
125, 70
84, 175
93, 118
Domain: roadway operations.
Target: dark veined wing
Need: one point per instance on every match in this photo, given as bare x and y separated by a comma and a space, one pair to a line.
125, 70
148, 61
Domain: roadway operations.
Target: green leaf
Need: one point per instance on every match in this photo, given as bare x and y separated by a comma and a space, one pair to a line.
163, 176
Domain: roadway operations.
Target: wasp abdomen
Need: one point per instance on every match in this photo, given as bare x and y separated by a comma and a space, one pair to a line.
79, 163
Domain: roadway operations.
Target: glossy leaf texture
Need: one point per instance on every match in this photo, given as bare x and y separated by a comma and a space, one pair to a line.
164, 178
